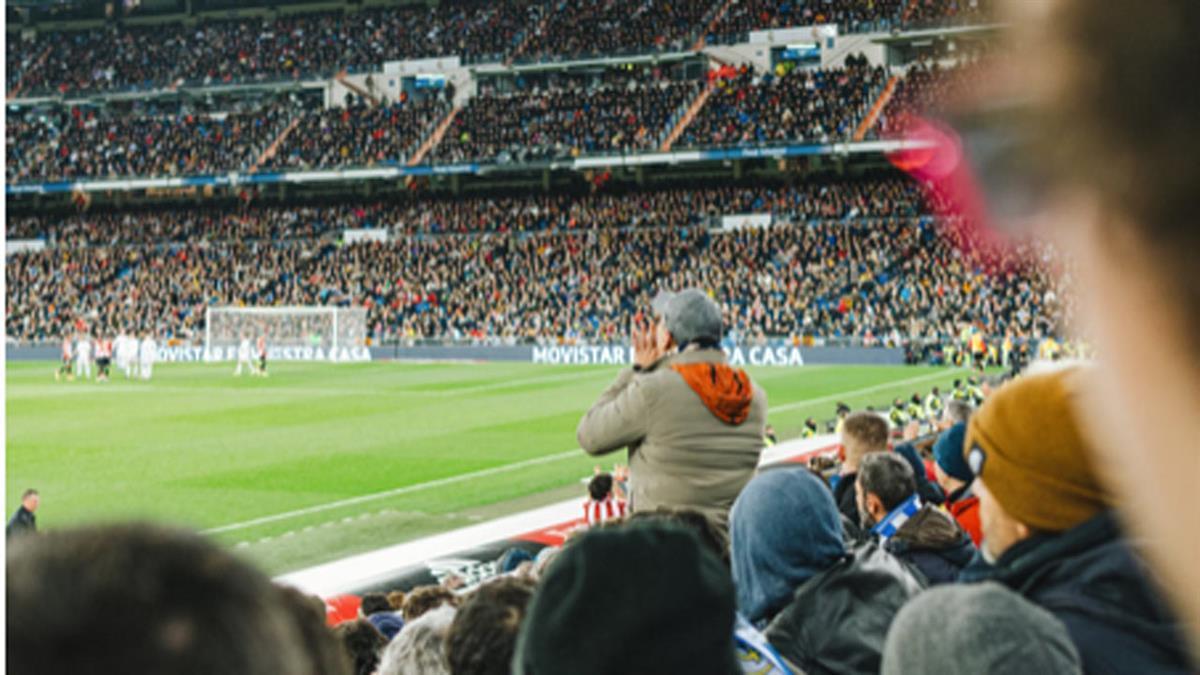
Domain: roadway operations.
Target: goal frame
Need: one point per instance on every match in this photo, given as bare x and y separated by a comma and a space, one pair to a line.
278, 310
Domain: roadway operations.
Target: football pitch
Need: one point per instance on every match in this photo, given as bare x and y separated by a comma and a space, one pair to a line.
321, 461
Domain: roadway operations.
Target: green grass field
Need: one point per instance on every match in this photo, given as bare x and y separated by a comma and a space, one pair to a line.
265, 464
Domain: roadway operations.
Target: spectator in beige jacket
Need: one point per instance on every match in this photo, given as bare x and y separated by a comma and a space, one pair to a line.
693, 424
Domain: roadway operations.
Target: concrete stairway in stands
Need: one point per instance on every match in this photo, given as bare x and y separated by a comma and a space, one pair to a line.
434, 138
16, 90
525, 40
274, 146
877, 108
363, 93
712, 25
688, 116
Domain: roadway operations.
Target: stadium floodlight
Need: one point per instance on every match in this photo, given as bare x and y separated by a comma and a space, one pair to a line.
293, 333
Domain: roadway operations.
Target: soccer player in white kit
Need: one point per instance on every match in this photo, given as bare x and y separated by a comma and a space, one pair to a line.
122, 358
147, 353
244, 357
83, 357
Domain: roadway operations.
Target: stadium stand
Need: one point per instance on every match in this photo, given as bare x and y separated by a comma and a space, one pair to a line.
76, 142
358, 135
620, 110
884, 275
925, 88
297, 46
592, 28
220, 50
795, 104
623, 112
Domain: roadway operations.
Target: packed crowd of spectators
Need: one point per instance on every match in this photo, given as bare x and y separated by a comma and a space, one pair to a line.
120, 57
358, 135
515, 213
256, 49
75, 142
621, 110
630, 112
849, 15
790, 104
586, 28
926, 89
948, 12
842, 260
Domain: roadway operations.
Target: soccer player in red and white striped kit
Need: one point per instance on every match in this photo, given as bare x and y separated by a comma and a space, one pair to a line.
602, 505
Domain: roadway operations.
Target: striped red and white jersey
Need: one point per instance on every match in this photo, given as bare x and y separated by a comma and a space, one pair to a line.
603, 511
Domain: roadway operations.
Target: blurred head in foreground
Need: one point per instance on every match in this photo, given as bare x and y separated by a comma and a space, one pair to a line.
1120, 199
140, 598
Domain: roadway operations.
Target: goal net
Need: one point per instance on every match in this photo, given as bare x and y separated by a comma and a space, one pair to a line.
291, 333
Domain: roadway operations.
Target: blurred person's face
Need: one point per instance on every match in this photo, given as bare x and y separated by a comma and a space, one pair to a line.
31, 503
1000, 530
1134, 312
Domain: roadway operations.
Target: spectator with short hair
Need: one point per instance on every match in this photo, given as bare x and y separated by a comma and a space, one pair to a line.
601, 506
982, 629
955, 477
424, 598
916, 532
420, 648
138, 598
957, 412
692, 423
862, 434
396, 601
1049, 532
668, 607
378, 610
483, 635
362, 642
795, 575
24, 521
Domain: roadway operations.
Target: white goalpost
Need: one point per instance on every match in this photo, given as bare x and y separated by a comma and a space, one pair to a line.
294, 333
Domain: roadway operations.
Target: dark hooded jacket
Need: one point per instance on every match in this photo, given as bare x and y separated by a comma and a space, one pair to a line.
1091, 579
934, 543
837, 620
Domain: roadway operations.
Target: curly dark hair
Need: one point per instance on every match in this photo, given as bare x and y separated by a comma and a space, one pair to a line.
424, 598
484, 633
363, 643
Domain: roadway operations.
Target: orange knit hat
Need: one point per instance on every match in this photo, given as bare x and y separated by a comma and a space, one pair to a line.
1026, 443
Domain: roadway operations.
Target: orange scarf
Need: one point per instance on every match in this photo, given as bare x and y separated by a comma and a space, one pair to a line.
726, 392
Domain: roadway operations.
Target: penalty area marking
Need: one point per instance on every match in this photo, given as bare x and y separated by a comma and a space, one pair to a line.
505, 468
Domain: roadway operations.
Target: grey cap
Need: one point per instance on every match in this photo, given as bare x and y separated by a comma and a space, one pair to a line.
690, 315
977, 628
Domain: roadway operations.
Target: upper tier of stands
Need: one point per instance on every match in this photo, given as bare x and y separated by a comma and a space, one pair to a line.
622, 110
217, 51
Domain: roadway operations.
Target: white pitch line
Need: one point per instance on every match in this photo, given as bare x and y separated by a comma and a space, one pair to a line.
450, 480
864, 390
